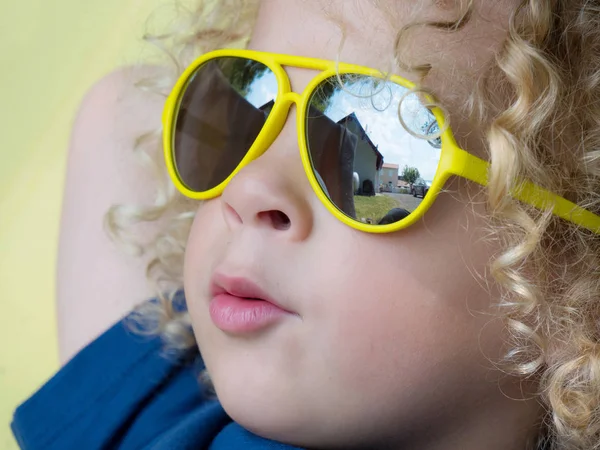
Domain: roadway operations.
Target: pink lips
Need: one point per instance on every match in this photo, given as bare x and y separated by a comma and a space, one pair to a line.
238, 306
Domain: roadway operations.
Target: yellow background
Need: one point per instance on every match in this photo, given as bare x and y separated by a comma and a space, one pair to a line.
50, 54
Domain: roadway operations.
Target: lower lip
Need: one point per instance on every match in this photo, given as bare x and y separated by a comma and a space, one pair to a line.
241, 315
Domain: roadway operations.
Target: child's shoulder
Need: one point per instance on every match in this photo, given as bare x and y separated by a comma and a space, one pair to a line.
97, 283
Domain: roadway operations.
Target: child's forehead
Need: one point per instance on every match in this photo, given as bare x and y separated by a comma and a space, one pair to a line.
344, 29
365, 32
327, 29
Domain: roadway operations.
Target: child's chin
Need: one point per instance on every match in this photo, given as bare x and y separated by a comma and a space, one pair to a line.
269, 416
301, 419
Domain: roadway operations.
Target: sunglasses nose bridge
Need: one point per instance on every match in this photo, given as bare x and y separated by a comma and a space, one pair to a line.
279, 117
291, 97
287, 100
282, 108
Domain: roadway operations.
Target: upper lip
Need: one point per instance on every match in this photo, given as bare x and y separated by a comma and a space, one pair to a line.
239, 287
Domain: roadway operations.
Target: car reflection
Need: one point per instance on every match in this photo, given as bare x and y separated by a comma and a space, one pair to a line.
420, 188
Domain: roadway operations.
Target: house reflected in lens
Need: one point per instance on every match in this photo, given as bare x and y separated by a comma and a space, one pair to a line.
367, 158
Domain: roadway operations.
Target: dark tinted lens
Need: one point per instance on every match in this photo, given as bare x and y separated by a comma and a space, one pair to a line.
222, 111
371, 166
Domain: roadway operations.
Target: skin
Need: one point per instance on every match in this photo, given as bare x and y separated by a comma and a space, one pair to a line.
104, 132
391, 343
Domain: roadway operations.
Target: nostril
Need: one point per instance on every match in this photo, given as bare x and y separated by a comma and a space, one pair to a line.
278, 219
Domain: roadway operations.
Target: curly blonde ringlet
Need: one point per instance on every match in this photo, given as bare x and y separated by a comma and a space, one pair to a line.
539, 102
549, 132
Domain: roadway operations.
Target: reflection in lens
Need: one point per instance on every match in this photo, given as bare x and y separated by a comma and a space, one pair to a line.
365, 158
222, 111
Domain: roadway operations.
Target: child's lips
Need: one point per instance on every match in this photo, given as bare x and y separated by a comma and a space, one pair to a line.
239, 306
239, 315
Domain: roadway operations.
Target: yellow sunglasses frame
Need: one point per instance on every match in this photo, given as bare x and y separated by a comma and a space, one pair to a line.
454, 161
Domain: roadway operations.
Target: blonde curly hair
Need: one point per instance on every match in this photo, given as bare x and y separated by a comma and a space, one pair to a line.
545, 127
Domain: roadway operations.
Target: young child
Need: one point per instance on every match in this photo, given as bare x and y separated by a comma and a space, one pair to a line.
323, 317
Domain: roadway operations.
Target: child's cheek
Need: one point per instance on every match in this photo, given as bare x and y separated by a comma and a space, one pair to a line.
388, 346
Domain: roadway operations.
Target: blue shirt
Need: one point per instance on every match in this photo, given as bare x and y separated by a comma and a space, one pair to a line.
122, 392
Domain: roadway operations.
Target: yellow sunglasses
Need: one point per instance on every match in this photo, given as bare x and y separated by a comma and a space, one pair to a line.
374, 149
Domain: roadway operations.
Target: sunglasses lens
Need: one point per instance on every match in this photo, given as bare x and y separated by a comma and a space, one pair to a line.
222, 110
373, 166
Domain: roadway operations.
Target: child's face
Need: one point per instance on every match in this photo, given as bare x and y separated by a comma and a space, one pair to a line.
390, 334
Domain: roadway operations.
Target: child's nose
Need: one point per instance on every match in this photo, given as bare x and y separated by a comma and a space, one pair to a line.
272, 191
